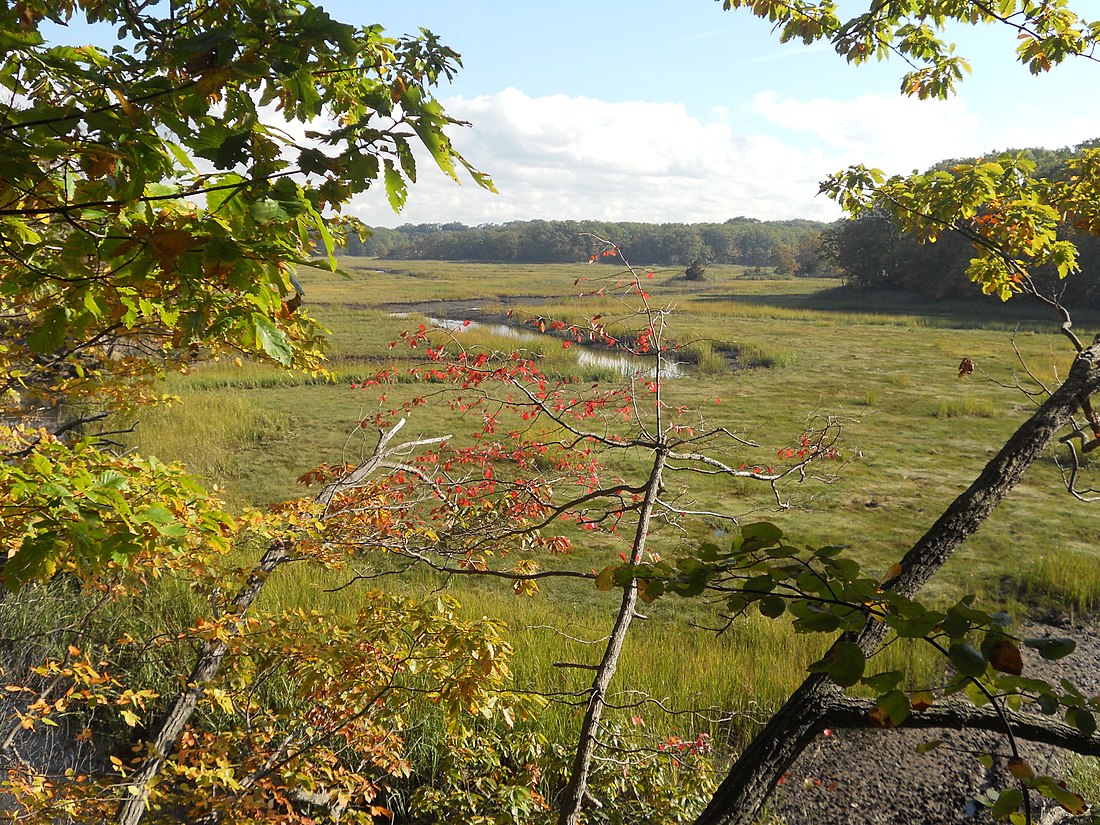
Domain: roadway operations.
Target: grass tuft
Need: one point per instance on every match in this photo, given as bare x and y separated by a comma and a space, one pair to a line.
965, 408
1068, 578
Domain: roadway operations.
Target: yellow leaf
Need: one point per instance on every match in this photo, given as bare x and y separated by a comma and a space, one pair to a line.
892, 573
1020, 769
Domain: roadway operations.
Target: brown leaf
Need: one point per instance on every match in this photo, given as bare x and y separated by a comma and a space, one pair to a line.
170, 243
1072, 802
28, 17
922, 700
398, 90
100, 164
880, 717
1005, 657
291, 304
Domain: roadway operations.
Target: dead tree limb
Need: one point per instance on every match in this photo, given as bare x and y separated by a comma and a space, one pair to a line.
211, 654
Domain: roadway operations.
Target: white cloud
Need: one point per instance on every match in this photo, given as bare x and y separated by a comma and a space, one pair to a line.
561, 157
891, 132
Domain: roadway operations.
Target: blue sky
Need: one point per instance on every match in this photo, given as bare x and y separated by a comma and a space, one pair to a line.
680, 111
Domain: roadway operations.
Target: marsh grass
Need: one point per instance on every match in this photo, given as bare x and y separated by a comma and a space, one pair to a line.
705, 358
257, 430
808, 359
1063, 577
1084, 776
213, 430
965, 407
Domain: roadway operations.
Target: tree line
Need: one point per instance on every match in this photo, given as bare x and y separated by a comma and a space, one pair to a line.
790, 246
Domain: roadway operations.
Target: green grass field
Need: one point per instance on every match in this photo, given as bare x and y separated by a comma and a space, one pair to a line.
914, 435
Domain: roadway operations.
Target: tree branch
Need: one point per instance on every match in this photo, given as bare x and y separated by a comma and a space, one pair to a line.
753, 776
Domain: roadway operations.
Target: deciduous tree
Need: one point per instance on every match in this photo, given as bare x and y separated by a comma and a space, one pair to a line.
1012, 221
157, 195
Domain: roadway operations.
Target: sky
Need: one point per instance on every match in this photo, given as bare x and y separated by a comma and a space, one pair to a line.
678, 111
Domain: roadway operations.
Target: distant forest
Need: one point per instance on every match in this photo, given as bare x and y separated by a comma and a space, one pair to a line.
787, 246
870, 253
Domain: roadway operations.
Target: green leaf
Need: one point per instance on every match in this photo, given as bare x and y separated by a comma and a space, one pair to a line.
1008, 801
605, 579
1052, 649
224, 189
36, 559
1049, 787
736, 603
846, 663
1047, 704
890, 710
883, 682
759, 584
916, 627
48, 333
763, 532
709, 552
267, 210
966, 660
772, 607
271, 339
396, 191
813, 619
1081, 719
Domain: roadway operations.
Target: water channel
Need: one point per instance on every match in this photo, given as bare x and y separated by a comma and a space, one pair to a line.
625, 365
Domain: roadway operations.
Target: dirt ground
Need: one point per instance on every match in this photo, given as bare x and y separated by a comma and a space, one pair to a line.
877, 777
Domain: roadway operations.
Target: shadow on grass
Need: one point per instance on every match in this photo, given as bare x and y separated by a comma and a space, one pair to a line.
980, 312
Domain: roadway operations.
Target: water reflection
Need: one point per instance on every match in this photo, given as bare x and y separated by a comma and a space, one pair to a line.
625, 365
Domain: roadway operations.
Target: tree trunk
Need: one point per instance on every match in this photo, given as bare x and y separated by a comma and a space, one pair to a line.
577, 789
753, 776
206, 668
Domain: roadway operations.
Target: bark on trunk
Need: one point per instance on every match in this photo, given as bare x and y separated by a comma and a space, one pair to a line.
136, 795
206, 668
577, 789
753, 776
1032, 727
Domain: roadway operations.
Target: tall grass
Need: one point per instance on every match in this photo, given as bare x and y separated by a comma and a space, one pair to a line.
211, 431
965, 407
1067, 578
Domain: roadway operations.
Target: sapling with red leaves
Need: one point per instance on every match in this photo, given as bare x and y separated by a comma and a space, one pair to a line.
538, 462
